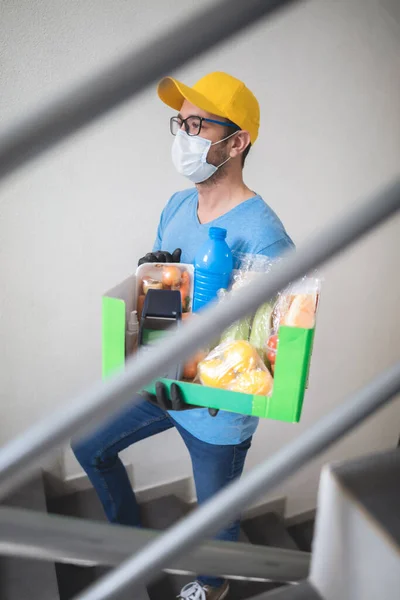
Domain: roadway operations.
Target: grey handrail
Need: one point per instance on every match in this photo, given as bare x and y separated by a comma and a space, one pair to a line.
228, 503
26, 451
127, 77
64, 539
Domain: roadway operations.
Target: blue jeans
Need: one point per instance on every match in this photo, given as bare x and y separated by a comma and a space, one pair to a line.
213, 466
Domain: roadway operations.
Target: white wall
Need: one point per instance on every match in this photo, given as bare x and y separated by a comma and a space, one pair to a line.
74, 223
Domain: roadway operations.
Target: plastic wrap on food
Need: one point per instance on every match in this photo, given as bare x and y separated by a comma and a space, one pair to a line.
166, 276
296, 306
239, 330
236, 366
149, 283
249, 268
261, 328
254, 263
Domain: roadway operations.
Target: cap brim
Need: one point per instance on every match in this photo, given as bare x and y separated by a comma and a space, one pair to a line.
173, 93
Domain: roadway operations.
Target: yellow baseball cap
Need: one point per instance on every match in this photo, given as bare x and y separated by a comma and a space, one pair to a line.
217, 93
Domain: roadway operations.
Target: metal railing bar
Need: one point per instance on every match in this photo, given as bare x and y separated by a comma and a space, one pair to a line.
227, 504
127, 77
29, 449
30, 534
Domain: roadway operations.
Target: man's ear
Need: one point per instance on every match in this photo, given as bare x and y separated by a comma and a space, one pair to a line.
240, 141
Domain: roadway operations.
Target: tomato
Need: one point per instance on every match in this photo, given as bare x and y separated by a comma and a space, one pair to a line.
272, 343
271, 355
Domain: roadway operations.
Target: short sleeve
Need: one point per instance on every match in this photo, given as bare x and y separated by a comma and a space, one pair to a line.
278, 248
158, 240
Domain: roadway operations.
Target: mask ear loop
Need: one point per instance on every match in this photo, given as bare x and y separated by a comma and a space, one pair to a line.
226, 138
223, 140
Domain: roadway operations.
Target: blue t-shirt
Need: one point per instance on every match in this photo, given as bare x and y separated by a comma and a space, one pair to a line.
252, 227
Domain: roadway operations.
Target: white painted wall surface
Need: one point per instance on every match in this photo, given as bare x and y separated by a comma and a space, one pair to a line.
73, 224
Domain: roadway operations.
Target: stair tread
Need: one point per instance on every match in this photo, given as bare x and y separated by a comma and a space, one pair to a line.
243, 590
163, 512
302, 591
160, 514
140, 594
269, 530
157, 514
84, 504
31, 495
39, 581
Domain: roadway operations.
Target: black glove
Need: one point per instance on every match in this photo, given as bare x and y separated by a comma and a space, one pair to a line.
161, 256
174, 402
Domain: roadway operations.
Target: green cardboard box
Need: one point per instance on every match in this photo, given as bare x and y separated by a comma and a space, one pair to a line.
291, 367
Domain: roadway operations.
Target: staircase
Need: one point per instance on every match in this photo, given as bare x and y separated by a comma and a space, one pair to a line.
159, 514
355, 549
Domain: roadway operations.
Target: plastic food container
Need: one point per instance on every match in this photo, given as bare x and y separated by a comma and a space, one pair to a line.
155, 272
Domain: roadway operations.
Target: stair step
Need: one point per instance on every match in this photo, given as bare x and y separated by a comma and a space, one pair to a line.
163, 512
303, 534
243, 538
264, 530
72, 579
243, 590
269, 530
141, 594
302, 591
21, 578
84, 504
158, 514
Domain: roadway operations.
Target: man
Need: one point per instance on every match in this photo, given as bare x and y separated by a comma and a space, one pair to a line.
216, 124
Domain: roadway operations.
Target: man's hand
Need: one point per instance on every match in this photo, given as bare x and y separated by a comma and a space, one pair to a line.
172, 401
161, 256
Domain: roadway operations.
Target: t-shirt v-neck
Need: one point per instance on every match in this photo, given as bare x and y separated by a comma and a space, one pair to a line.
228, 213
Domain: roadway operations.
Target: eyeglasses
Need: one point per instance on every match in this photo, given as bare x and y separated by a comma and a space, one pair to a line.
193, 124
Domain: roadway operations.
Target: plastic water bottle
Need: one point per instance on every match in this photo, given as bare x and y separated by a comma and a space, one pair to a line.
212, 268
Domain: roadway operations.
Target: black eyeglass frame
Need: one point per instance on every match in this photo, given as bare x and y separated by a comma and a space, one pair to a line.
179, 121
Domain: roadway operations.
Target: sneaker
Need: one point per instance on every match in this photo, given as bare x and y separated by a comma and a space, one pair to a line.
196, 591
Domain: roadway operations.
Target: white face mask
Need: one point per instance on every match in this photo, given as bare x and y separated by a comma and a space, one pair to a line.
189, 155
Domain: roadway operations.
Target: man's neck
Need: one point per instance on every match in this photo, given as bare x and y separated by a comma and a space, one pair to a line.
216, 199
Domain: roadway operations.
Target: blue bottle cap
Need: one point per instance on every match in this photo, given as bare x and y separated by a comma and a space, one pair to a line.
217, 233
